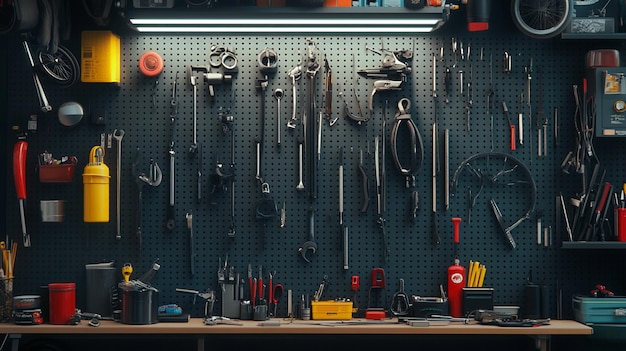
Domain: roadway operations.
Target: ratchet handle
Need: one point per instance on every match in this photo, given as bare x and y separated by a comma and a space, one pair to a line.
512, 128
19, 168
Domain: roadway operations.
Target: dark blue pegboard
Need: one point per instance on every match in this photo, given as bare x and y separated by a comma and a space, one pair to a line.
60, 250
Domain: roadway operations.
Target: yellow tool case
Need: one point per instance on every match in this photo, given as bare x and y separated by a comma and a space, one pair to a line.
331, 310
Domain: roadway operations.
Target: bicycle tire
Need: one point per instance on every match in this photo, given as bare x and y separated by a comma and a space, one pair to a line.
542, 19
61, 67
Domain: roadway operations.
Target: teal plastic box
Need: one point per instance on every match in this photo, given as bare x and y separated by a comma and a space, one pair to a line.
599, 309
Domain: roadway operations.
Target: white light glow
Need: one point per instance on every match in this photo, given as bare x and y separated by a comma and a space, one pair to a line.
286, 22
211, 29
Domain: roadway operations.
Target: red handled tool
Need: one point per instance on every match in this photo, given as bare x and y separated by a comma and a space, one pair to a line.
19, 176
355, 285
456, 276
377, 285
511, 125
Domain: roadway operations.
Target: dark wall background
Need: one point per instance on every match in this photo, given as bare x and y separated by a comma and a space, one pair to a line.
60, 250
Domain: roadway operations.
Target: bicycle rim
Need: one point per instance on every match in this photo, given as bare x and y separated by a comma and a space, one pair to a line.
541, 18
62, 67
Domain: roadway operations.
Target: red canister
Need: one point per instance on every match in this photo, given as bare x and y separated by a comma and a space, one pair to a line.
62, 302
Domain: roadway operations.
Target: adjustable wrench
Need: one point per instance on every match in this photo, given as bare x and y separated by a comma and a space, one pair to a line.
278, 95
118, 135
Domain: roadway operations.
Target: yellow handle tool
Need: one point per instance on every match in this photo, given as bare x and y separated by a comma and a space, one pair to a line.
127, 270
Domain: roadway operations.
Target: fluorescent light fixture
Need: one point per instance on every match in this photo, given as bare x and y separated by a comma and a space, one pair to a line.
287, 20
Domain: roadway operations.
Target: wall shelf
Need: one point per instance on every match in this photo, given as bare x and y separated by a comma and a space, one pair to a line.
586, 245
594, 36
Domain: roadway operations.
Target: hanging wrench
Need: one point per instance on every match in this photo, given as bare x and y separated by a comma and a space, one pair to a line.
278, 95
301, 140
295, 74
193, 81
192, 255
118, 135
310, 244
41, 94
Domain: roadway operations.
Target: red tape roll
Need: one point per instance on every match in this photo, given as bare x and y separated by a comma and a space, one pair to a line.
151, 64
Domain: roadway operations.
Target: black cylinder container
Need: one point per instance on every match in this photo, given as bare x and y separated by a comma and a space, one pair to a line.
139, 303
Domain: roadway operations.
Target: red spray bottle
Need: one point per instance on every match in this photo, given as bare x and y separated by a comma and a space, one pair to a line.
456, 277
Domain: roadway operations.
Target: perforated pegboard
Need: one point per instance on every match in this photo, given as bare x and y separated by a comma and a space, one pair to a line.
60, 250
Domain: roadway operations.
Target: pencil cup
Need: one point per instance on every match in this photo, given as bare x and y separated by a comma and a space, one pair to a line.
620, 224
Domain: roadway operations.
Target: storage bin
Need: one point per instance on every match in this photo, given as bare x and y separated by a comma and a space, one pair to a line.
599, 309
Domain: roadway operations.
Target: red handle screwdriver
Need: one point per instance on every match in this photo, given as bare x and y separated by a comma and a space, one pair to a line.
511, 125
19, 177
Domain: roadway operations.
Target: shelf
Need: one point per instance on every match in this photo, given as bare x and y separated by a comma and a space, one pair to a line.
586, 245
594, 36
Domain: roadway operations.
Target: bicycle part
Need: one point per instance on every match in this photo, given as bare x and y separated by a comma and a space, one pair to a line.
493, 169
62, 67
541, 19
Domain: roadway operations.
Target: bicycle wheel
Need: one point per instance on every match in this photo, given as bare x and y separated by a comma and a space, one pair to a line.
541, 19
62, 67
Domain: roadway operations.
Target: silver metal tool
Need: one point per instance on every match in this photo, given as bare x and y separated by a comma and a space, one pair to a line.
192, 255
294, 74
278, 95
41, 94
118, 135
435, 232
194, 83
343, 228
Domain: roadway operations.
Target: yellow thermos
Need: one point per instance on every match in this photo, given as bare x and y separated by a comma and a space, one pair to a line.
96, 187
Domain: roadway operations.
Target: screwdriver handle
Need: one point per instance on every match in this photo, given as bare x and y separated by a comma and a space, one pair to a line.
19, 168
456, 222
512, 127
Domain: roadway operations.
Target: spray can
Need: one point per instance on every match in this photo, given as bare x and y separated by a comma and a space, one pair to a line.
96, 187
456, 277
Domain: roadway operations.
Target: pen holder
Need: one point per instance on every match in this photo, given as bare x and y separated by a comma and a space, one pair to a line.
6, 299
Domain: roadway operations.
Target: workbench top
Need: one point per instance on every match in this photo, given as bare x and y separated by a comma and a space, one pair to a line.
287, 326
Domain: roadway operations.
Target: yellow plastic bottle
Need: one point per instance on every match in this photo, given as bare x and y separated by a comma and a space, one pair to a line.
96, 180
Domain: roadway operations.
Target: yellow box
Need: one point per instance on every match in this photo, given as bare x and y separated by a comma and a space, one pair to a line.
331, 310
100, 57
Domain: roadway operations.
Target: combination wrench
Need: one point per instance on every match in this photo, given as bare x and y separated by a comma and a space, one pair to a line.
278, 95
118, 135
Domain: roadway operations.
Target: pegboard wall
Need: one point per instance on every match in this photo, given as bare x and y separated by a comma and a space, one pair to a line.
141, 107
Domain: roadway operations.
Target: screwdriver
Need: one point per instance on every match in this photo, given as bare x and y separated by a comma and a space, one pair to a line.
511, 125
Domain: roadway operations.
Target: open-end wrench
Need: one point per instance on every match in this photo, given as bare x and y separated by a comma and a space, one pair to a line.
278, 95
310, 244
118, 135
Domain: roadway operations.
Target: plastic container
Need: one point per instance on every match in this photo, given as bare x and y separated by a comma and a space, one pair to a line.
333, 310
62, 302
96, 188
63, 173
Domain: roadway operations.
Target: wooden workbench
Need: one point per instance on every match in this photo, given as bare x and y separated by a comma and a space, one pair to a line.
199, 330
